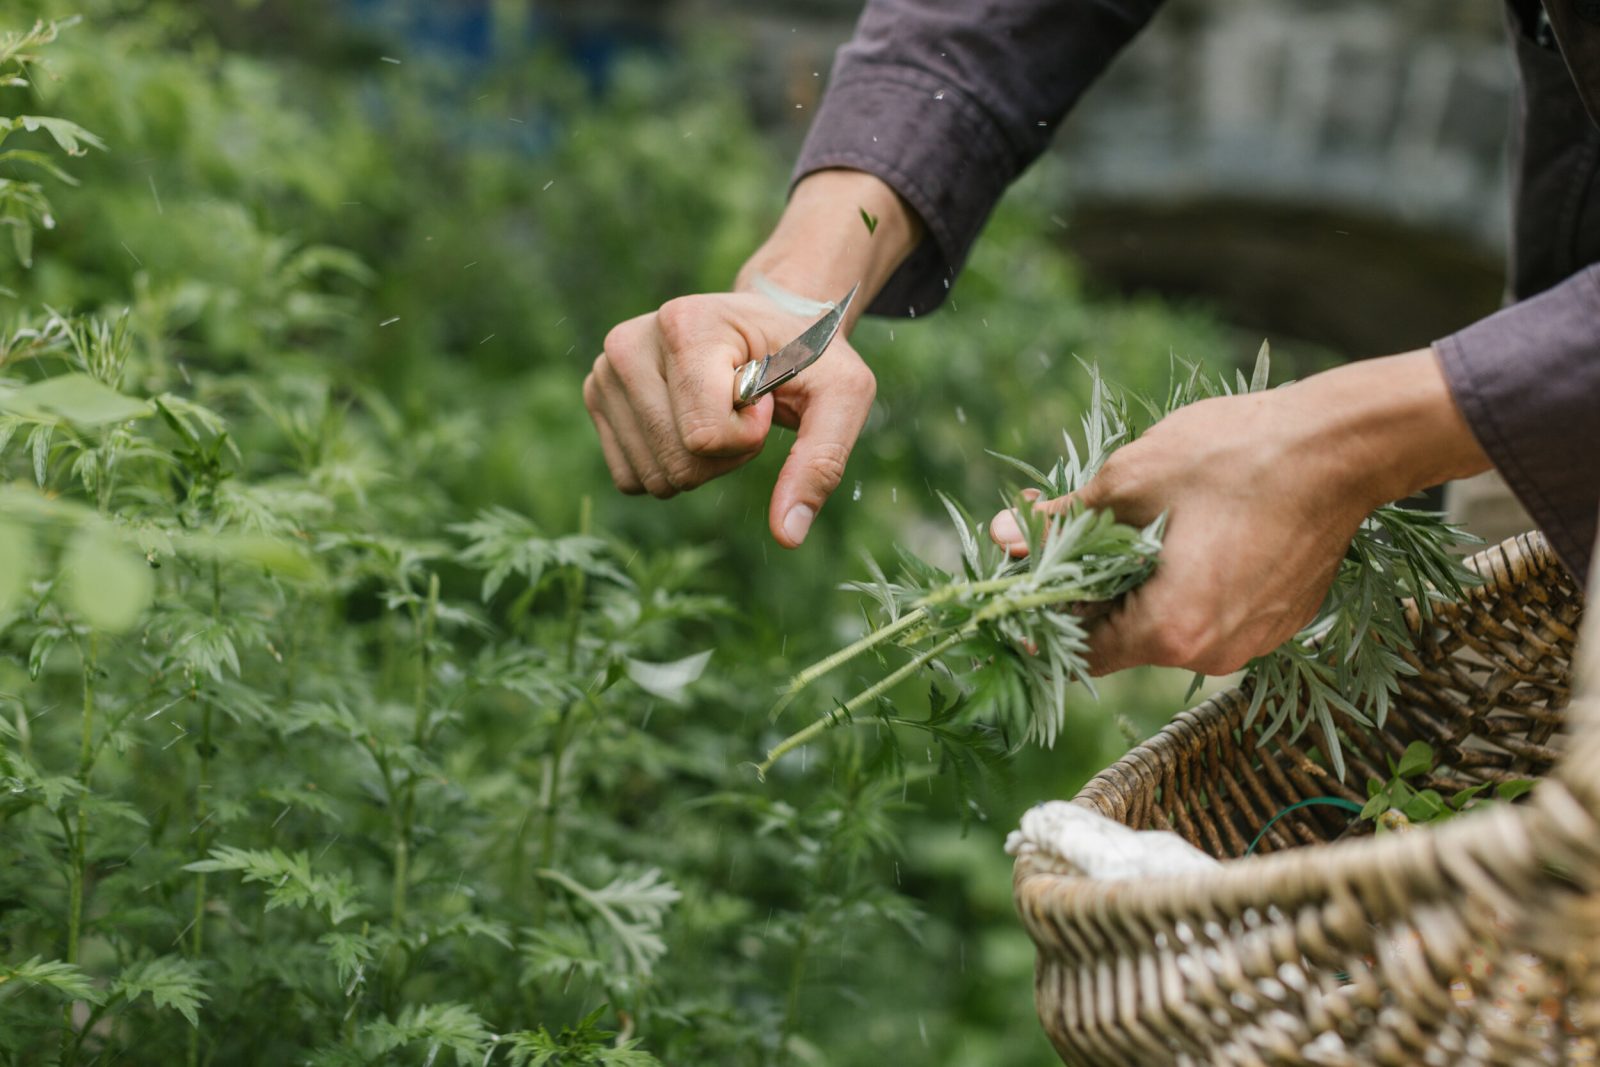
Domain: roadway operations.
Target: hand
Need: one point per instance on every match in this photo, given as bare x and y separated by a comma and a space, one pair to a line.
1263, 493
661, 397
661, 394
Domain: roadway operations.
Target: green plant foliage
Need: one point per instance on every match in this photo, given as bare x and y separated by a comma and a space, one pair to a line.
1400, 796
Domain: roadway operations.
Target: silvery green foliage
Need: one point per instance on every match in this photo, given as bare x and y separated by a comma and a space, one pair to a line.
1010, 635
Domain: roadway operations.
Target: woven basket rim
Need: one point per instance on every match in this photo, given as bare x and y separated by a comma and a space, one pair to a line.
1292, 877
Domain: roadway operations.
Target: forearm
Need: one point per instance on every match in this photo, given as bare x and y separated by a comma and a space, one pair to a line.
822, 246
1392, 426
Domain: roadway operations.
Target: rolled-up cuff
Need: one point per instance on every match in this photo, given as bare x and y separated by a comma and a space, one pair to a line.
934, 147
1527, 380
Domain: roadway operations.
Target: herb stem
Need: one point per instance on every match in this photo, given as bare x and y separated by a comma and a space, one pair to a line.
79, 868
406, 821
198, 932
810, 733
995, 609
550, 799
845, 655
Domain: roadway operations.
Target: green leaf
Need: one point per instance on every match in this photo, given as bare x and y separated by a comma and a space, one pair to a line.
1513, 789
291, 881
169, 981
16, 563
64, 978
72, 138
77, 398
1417, 759
1376, 805
870, 219
1263, 368
1461, 796
22, 240
452, 1026
106, 583
1425, 806
632, 908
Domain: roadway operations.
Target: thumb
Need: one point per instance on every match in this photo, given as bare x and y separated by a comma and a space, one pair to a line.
827, 432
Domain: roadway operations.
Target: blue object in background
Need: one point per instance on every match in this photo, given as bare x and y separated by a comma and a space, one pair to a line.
466, 33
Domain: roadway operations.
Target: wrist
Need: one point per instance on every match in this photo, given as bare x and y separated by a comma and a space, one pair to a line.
822, 246
1395, 426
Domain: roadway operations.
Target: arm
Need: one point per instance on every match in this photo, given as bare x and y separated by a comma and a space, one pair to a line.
1528, 381
932, 110
949, 101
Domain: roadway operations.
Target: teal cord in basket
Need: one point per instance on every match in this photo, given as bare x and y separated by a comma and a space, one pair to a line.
1332, 802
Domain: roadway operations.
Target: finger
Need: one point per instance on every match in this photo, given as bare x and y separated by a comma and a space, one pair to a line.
1005, 529
1118, 641
1148, 628
829, 426
617, 409
622, 473
656, 424
700, 364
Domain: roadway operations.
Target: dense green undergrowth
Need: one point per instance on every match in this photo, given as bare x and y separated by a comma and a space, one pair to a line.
344, 717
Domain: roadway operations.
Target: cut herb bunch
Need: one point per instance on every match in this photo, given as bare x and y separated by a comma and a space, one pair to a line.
1010, 635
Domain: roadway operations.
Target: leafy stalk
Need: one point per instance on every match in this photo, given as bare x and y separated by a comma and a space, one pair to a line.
424, 617
78, 838
1012, 634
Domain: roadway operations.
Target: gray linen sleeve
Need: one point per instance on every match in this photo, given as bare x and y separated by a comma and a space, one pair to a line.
1528, 382
948, 101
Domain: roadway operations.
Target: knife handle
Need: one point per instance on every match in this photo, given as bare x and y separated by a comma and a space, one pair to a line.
747, 383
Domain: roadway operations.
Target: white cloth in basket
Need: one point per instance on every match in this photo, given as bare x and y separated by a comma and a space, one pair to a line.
1092, 846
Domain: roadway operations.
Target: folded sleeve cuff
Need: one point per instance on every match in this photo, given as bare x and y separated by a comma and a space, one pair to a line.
934, 147
1527, 380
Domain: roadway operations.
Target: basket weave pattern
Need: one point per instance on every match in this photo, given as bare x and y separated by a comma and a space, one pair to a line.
1474, 941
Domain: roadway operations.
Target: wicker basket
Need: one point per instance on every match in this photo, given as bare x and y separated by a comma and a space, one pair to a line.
1473, 941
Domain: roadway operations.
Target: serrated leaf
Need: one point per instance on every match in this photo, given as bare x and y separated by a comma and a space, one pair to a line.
169, 982
631, 908
64, 978
73, 139
290, 878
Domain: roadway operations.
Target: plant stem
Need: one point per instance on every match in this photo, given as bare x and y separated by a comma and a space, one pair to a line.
577, 588
424, 623
197, 937
989, 612
797, 974
942, 595
866, 696
577, 592
79, 868
845, 655
198, 932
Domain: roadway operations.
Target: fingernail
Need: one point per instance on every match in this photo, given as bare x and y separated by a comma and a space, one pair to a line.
1031, 494
797, 523
1004, 529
